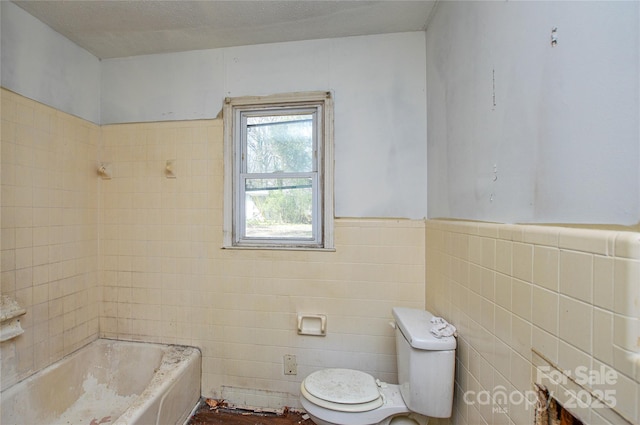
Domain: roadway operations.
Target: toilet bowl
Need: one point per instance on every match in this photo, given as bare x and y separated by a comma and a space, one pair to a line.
345, 396
425, 374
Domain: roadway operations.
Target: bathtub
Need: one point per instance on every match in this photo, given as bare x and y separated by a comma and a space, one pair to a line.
109, 382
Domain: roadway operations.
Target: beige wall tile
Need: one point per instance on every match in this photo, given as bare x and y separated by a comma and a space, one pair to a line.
626, 395
49, 235
503, 256
627, 245
625, 361
572, 358
603, 282
521, 298
541, 235
545, 310
160, 275
522, 261
626, 289
503, 327
503, 291
546, 267
521, 336
576, 275
568, 314
626, 332
587, 240
249, 299
545, 342
575, 323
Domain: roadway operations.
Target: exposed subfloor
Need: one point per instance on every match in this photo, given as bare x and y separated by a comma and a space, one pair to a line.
206, 415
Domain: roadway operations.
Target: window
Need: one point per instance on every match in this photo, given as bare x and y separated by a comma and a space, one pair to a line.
279, 171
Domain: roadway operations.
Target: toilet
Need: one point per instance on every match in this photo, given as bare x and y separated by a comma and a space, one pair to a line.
426, 366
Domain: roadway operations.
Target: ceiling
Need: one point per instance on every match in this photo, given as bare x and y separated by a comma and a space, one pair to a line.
111, 29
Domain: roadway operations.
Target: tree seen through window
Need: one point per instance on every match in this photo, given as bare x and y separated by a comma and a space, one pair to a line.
280, 146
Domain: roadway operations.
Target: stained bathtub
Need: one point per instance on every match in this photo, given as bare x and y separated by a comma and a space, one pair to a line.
109, 382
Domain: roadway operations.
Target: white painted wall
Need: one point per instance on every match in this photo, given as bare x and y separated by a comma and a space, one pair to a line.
564, 131
380, 105
42, 65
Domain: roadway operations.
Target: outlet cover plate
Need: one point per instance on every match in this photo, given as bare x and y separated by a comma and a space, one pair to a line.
290, 364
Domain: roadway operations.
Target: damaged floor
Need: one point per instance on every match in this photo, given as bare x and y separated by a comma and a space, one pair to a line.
216, 412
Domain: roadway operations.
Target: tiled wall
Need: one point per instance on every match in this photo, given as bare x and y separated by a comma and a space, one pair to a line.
166, 278
140, 254
573, 295
49, 243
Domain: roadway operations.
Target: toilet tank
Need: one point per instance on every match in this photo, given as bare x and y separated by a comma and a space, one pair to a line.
426, 364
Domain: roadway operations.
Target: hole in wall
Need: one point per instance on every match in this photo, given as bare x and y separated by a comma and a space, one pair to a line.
550, 412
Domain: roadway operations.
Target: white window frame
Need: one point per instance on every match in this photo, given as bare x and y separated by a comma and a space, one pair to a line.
234, 112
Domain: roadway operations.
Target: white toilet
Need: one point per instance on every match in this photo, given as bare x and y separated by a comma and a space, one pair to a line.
426, 366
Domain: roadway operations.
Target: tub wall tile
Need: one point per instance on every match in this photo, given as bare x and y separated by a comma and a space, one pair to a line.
49, 232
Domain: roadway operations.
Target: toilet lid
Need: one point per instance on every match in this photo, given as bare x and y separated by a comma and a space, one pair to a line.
345, 386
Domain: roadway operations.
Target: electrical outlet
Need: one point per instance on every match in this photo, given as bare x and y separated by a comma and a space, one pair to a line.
290, 365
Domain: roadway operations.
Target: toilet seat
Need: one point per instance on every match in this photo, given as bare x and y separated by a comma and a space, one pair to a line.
325, 413
343, 390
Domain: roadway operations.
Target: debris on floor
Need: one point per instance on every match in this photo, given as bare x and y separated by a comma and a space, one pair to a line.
220, 412
215, 404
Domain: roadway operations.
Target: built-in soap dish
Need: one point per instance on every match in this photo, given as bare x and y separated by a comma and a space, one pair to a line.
312, 324
10, 311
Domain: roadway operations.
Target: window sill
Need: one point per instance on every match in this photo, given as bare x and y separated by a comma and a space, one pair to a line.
278, 248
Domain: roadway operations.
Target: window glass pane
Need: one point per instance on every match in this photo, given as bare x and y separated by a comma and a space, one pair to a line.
278, 208
279, 143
